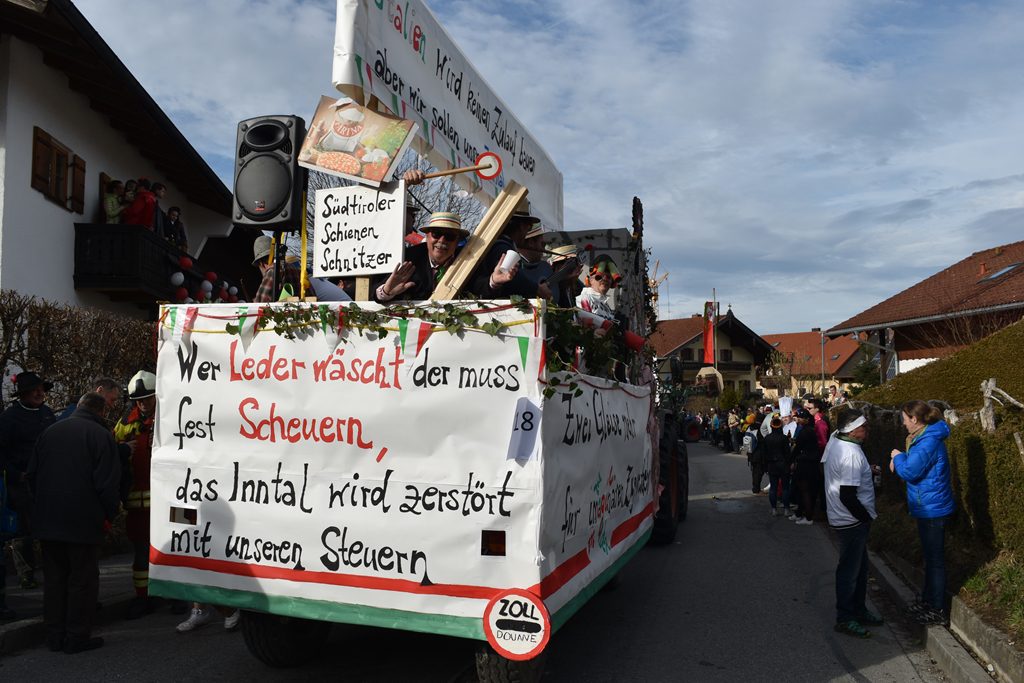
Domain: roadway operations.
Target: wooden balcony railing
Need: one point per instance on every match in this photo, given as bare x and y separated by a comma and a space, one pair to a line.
126, 262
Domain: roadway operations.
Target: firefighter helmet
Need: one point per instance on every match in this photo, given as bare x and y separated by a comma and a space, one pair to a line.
142, 385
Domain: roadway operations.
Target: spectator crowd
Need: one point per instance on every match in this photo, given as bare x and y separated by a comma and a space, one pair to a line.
813, 471
137, 202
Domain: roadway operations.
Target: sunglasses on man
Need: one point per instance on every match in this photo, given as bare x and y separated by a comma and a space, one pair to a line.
450, 235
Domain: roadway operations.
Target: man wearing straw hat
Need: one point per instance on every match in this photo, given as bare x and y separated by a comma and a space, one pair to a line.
425, 264
565, 281
533, 266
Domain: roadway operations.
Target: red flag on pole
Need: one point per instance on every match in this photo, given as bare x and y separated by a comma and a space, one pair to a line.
709, 333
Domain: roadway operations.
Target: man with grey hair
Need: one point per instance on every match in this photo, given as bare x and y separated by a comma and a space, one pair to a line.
107, 387
74, 474
850, 502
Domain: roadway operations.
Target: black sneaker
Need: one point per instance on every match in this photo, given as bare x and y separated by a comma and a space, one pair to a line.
930, 617
852, 628
871, 619
76, 645
139, 607
916, 607
56, 642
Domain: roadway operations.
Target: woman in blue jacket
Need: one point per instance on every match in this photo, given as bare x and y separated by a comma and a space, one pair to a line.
924, 466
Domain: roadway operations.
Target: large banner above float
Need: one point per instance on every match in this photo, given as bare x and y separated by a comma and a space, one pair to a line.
399, 52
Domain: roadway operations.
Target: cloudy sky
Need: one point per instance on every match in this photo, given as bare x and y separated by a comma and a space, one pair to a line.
805, 158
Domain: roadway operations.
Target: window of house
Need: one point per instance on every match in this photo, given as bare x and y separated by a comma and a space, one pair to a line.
745, 386
57, 172
801, 391
700, 354
686, 354
999, 273
725, 354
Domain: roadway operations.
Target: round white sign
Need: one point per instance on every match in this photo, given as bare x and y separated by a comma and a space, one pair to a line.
517, 624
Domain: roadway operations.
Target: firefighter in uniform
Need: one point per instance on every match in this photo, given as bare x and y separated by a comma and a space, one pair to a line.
137, 431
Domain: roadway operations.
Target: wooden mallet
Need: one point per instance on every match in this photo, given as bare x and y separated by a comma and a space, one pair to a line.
488, 167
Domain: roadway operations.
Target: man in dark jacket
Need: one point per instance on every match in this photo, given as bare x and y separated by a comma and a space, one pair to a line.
425, 264
74, 474
807, 474
20, 425
777, 460
490, 282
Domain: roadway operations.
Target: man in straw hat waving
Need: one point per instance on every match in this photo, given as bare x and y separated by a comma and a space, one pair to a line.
425, 264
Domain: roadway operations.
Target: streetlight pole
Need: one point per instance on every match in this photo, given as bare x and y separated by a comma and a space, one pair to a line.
822, 362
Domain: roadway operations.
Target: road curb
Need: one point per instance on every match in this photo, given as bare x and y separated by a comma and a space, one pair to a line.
990, 643
29, 633
951, 656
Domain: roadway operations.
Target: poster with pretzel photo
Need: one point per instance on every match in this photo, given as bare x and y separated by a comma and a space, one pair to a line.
351, 141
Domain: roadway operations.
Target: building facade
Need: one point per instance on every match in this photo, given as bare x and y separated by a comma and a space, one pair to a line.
739, 352
71, 118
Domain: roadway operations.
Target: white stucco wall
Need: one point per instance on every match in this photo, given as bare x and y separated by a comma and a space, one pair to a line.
908, 365
37, 242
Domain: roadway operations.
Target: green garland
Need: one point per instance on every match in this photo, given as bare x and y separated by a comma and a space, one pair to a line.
564, 333
294, 320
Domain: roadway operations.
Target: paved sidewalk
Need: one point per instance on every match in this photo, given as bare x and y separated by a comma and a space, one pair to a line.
27, 630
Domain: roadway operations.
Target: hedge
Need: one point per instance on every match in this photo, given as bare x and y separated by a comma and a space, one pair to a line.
987, 469
957, 379
70, 346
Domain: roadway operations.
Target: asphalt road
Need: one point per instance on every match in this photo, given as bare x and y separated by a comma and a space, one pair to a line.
740, 596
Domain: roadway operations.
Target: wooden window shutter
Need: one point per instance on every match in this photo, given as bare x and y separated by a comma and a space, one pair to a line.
42, 154
78, 185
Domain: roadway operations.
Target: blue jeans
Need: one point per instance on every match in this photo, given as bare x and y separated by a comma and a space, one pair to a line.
852, 573
933, 547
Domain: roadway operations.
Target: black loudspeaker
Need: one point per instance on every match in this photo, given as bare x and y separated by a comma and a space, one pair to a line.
268, 179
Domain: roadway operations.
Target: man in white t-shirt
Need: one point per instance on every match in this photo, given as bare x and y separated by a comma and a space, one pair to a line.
850, 502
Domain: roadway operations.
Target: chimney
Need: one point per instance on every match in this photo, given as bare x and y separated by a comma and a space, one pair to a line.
981, 271
815, 329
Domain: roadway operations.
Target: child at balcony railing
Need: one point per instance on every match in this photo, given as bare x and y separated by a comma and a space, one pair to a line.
112, 202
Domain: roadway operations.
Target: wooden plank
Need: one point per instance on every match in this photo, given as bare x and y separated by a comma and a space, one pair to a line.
480, 242
362, 289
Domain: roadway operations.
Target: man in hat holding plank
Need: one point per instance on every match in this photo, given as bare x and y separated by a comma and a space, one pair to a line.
415, 278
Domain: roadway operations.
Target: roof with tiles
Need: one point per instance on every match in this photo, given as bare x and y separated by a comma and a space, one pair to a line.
671, 334
982, 281
806, 351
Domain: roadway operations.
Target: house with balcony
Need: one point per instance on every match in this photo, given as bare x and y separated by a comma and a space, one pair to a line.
809, 363
679, 346
72, 117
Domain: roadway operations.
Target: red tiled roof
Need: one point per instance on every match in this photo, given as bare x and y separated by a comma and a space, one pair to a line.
806, 350
963, 287
671, 334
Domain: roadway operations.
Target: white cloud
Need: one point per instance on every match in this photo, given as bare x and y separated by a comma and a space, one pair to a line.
807, 159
